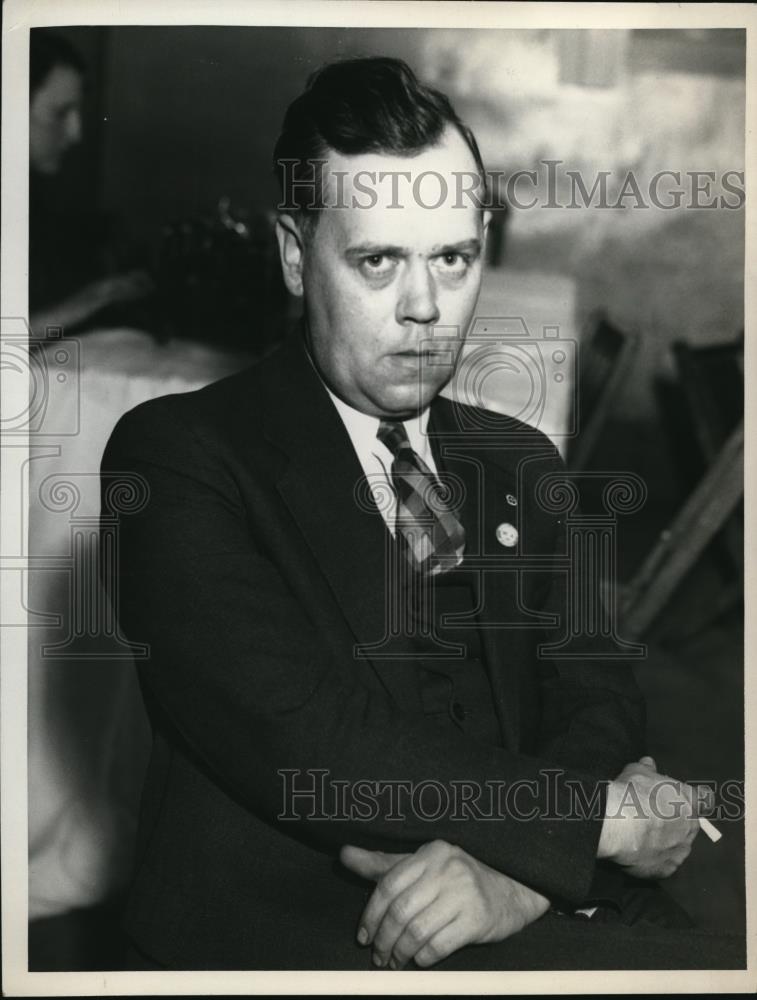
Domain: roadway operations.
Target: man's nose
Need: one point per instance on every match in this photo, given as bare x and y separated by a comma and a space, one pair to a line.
417, 302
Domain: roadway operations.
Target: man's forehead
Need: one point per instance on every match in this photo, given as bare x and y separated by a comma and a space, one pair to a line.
390, 198
410, 229
448, 163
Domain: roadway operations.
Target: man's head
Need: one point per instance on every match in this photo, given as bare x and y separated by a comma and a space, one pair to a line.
389, 282
56, 83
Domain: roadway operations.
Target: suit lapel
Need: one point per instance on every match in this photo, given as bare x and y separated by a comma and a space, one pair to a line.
323, 486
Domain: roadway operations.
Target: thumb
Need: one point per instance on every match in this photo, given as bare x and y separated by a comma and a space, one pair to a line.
649, 761
368, 864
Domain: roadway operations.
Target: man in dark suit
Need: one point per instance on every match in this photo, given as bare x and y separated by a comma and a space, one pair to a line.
361, 753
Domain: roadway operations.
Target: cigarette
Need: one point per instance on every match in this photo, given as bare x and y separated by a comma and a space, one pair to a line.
712, 832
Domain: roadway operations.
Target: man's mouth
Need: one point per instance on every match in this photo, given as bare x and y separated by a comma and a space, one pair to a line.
437, 353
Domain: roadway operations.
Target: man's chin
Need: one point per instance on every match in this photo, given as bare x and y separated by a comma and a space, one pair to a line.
404, 404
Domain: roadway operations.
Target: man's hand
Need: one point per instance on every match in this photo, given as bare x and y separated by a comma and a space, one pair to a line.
650, 820
429, 904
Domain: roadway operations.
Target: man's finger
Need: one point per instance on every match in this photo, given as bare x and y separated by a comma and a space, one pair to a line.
649, 761
419, 931
400, 913
442, 944
401, 877
368, 864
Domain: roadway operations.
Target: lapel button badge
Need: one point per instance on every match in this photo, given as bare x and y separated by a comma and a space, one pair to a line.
513, 501
507, 535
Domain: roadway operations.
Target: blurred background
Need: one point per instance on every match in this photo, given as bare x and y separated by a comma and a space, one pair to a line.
152, 269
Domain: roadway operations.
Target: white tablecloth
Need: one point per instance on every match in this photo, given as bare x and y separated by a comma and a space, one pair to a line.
88, 735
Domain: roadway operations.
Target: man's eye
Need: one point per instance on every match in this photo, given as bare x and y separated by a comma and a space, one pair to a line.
453, 263
377, 264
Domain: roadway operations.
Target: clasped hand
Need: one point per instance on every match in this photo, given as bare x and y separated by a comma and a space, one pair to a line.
429, 904
651, 820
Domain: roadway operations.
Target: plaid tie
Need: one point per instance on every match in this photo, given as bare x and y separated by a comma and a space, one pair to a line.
435, 539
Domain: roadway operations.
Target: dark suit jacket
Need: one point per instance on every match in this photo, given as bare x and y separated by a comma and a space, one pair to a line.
254, 574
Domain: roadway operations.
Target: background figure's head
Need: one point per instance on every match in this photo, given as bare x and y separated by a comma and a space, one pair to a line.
385, 239
56, 86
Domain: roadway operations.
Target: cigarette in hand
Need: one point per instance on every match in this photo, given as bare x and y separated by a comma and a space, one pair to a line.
712, 832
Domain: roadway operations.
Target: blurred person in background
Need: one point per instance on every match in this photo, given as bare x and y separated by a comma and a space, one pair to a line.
72, 271
88, 737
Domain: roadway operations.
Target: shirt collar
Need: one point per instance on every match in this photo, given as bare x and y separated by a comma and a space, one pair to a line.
362, 428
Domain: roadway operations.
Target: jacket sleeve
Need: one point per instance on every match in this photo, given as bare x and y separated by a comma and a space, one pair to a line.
244, 683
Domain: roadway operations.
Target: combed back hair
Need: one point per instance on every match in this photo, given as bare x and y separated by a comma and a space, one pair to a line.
367, 105
47, 49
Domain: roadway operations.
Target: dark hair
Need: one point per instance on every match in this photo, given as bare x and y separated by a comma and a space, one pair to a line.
373, 104
47, 49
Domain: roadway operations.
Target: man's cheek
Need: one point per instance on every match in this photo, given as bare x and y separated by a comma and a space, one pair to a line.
455, 312
371, 312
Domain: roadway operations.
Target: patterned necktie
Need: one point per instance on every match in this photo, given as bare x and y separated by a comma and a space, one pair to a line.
435, 539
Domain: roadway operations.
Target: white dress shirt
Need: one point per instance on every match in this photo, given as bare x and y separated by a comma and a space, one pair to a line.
375, 457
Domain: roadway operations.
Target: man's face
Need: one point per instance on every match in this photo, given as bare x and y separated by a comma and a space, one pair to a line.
389, 292
54, 118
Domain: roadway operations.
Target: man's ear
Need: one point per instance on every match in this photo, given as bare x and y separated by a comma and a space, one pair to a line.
291, 252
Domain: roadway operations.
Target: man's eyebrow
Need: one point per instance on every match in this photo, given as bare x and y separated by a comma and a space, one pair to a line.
376, 249
472, 246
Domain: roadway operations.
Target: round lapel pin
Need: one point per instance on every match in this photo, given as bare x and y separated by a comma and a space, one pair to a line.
507, 535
